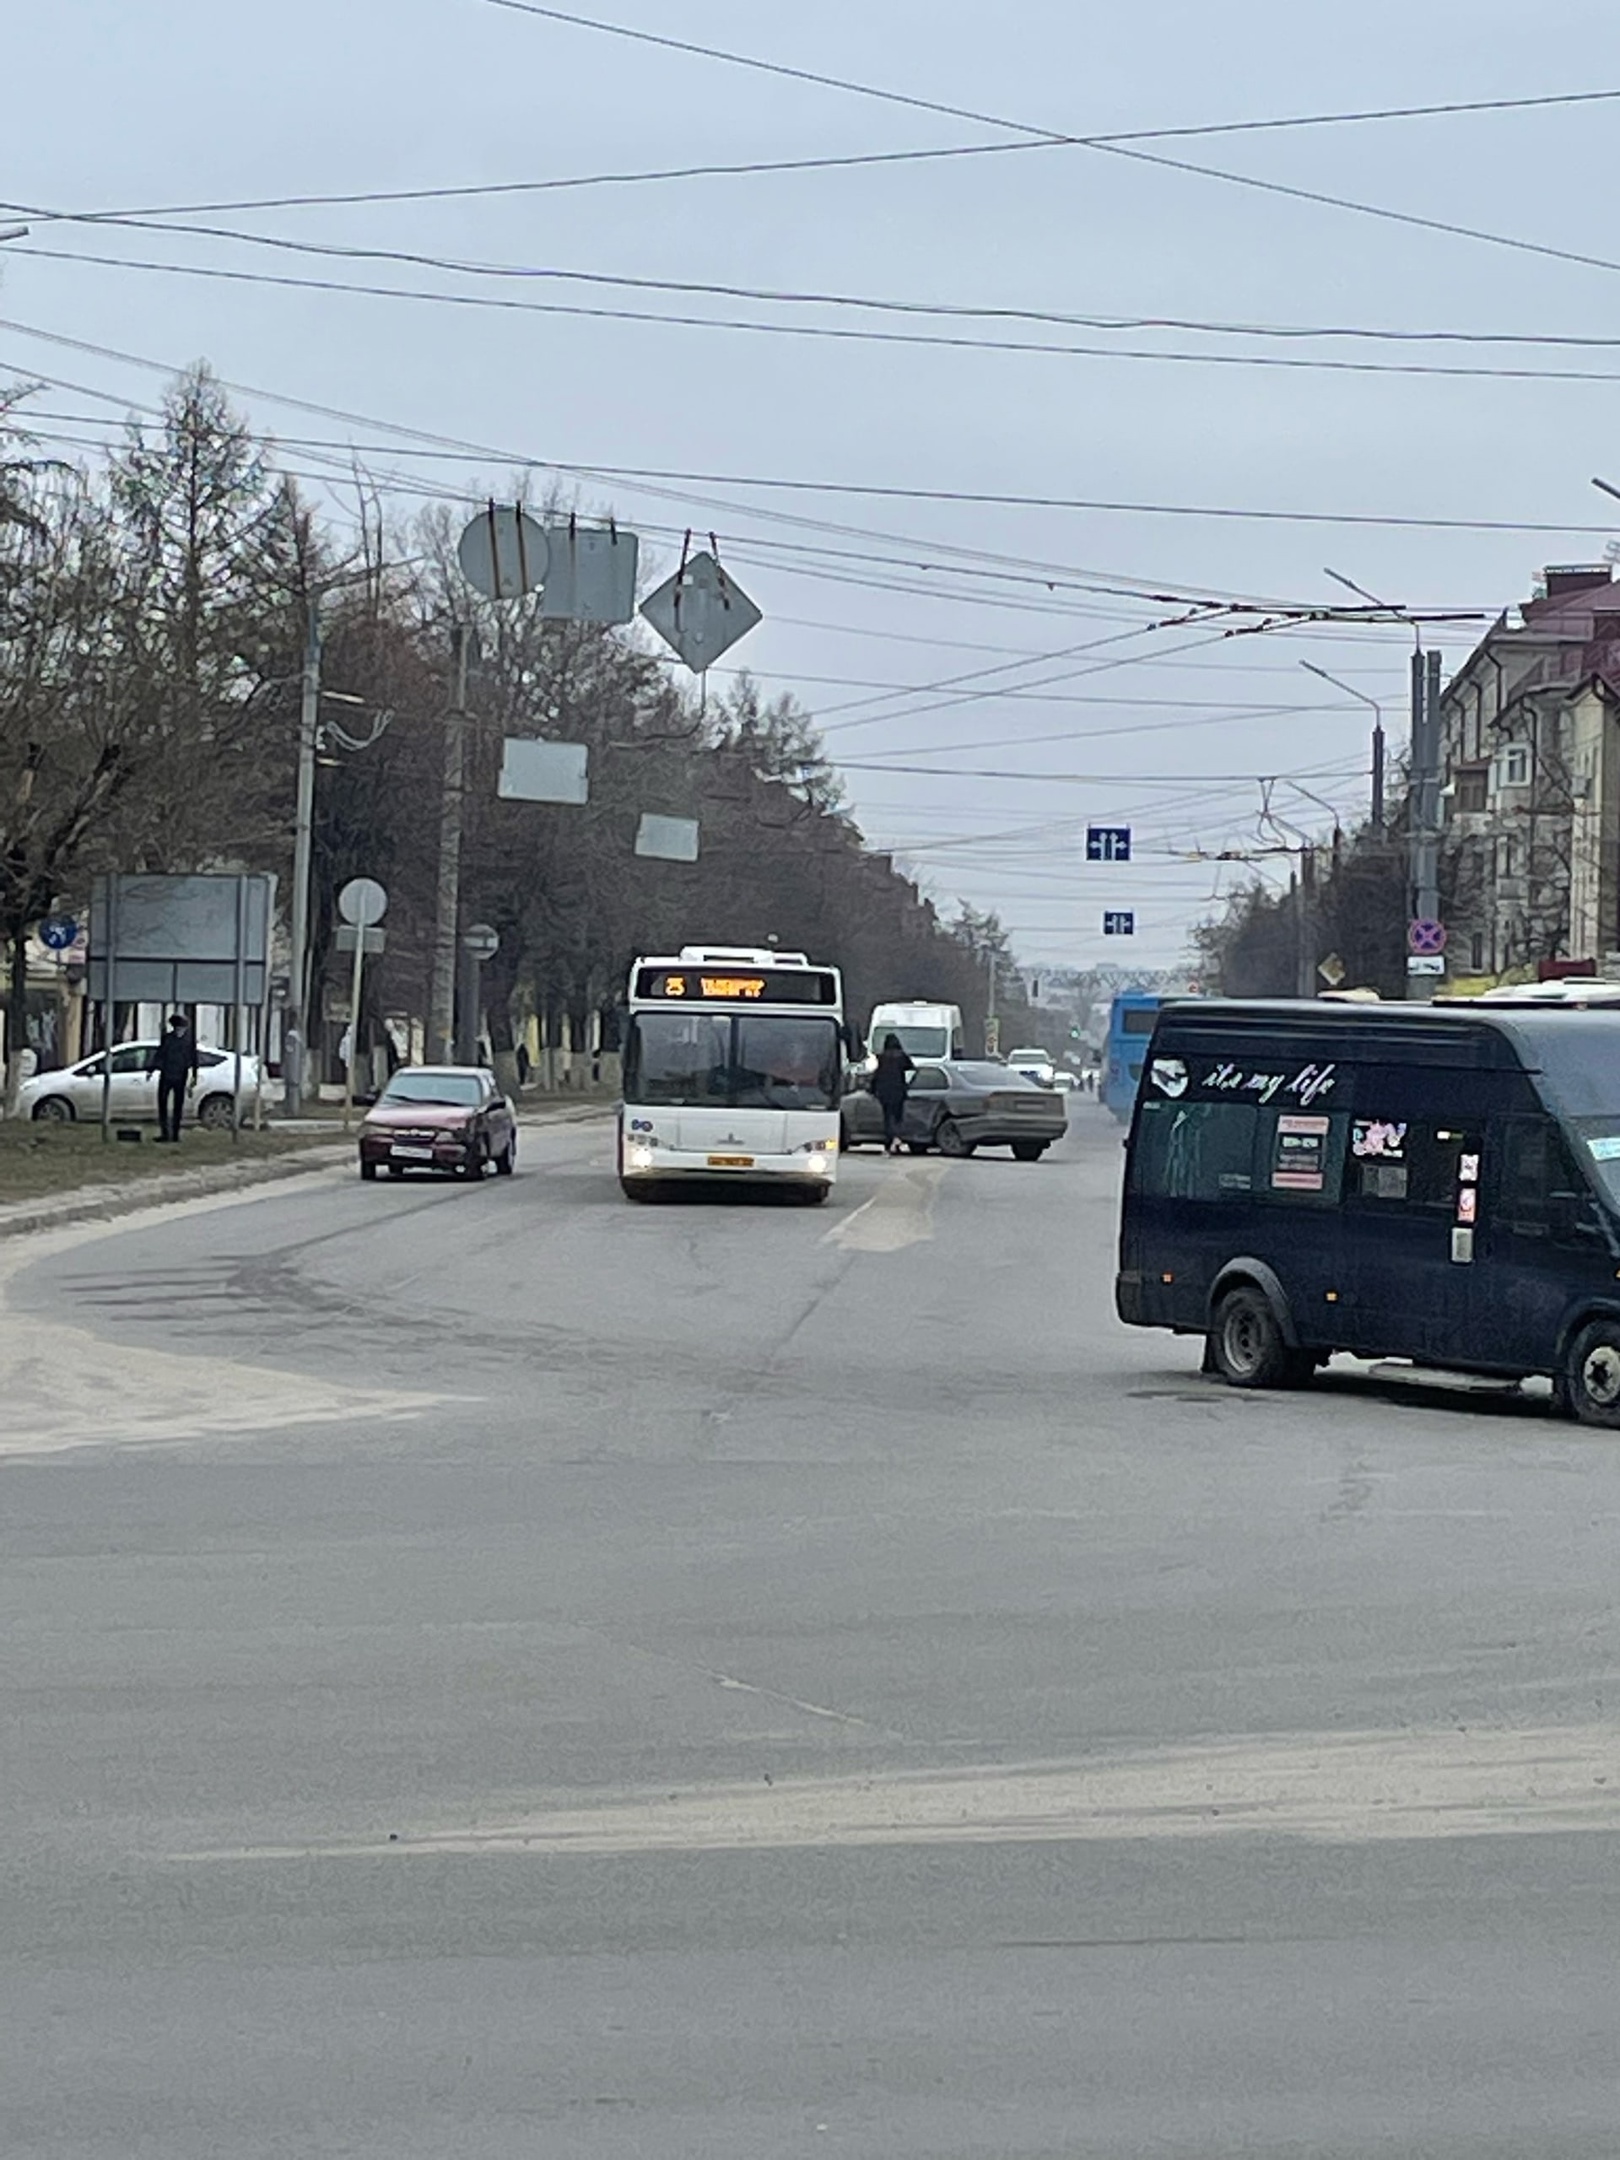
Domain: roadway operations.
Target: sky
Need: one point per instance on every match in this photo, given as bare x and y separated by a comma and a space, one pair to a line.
992, 674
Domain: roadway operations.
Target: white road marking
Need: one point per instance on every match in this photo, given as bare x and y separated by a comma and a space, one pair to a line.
1350, 1788
899, 1213
62, 1387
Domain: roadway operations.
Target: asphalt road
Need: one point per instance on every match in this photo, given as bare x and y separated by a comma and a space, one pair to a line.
501, 1673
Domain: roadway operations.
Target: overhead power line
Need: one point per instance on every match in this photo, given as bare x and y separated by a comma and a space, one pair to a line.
843, 333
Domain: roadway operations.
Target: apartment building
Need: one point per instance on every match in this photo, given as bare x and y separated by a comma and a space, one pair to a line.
1530, 731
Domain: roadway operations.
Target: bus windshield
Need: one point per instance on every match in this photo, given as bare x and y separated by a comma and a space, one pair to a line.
917, 1042
753, 1061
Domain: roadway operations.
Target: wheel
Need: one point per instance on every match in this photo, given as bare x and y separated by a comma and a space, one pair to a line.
214, 1113
476, 1163
506, 1160
396, 1169
948, 1139
1592, 1375
368, 1170
1028, 1150
1248, 1344
54, 1110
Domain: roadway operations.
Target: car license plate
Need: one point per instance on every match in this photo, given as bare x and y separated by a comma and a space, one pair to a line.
414, 1154
731, 1162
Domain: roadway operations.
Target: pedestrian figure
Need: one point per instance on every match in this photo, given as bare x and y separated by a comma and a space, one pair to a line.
174, 1060
891, 1083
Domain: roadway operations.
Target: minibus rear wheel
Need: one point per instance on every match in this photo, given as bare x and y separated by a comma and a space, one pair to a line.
1592, 1379
1248, 1345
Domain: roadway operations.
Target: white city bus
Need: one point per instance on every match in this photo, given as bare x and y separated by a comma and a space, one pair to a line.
733, 1068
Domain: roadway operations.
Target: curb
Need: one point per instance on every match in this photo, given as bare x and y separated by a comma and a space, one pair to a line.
102, 1203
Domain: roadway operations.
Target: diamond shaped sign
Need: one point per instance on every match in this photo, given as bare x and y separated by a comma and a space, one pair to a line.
700, 612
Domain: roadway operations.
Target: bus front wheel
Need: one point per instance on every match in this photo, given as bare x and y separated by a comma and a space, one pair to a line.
1591, 1387
1247, 1346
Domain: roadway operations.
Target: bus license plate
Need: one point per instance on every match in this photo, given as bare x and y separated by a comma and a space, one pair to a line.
731, 1162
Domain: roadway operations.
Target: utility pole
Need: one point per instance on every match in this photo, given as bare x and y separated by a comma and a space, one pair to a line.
1305, 918
295, 1027
1378, 758
1425, 843
447, 922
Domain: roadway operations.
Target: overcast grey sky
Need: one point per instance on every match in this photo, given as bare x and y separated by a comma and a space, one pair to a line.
184, 102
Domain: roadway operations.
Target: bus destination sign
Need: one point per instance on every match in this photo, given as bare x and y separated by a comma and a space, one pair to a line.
755, 986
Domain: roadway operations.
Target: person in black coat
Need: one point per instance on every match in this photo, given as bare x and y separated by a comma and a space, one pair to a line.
891, 1083
174, 1060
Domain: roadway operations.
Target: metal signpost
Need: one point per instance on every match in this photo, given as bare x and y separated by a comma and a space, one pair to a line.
362, 904
480, 941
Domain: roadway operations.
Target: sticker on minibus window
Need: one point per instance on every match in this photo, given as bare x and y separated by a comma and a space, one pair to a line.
1377, 1138
1468, 1170
1605, 1148
1467, 1203
1299, 1161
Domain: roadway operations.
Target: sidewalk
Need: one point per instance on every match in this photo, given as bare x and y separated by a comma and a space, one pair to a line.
98, 1203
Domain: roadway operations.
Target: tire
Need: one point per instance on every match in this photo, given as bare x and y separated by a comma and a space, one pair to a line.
1248, 1346
54, 1110
215, 1113
1592, 1375
368, 1170
948, 1139
506, 1160
1028, 1150
473, 1168
396, 1169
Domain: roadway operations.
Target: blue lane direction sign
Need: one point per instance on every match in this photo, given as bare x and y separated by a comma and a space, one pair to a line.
1108, 843
1119, 922
58, 932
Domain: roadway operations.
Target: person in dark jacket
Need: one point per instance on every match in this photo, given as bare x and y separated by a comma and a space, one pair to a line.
174, 1060
891, 1083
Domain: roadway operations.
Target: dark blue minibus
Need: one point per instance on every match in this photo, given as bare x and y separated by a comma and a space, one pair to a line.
1440, 1184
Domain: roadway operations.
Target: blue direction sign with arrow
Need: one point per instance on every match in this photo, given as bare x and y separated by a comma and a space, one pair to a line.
1108, 843
1119, 922
58, 932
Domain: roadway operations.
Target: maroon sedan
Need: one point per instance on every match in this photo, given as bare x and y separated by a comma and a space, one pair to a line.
440, 1117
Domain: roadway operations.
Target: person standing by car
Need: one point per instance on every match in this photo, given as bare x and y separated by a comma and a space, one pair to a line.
891, 1083
174, 1060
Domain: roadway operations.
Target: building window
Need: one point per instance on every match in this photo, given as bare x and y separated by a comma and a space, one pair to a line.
1516, 765
1473, 789
1476, 952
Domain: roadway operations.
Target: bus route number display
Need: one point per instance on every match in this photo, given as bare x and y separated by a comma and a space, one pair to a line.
764, 986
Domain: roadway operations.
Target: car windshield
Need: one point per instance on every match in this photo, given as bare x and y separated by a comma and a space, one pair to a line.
435, 1087
697, 1060
918, 1042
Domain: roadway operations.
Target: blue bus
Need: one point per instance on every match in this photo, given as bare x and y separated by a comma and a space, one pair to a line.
1130, 1024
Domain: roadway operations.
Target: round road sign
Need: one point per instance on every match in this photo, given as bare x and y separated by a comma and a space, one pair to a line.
1426, 937
481, 940
363, 902
503, 553
58, 932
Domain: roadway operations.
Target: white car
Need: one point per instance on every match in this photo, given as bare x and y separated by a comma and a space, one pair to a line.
75, 1091
1035, 1065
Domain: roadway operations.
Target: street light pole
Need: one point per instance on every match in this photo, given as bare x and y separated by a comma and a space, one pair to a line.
294, 1038
447, 924
1350, 690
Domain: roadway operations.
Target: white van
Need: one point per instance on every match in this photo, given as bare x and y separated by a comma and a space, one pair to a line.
925, 1030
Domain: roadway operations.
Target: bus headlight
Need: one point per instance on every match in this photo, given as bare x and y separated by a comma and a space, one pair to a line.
639, 1157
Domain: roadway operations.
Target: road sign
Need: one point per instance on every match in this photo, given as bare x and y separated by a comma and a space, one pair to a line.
363, 901
1425, 937
533, 771
482, 940
1108, 843
58, 932
1332, 970
503, 553
700, 612
352, 938
590, 574
1425, 964
1119, 922
668, 839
